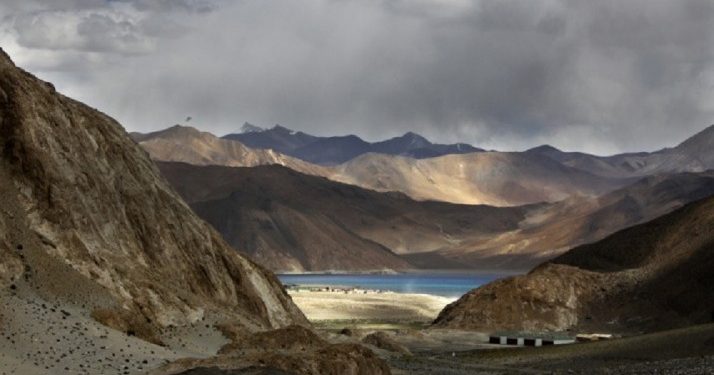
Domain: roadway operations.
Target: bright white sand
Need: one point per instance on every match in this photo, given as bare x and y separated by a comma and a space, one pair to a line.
371, 306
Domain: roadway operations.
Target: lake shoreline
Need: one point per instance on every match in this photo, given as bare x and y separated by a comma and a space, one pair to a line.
451, 284
480, 272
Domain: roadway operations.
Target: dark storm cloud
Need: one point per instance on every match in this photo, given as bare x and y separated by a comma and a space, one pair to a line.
600, 76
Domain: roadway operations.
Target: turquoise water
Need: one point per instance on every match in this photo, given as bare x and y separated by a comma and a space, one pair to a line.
440, 284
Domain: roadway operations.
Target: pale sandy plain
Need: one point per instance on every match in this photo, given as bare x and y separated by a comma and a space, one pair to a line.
372, 306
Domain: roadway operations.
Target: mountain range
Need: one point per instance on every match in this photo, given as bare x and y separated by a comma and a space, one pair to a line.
289, 221
541, 174
693, 155
337, 150
494, 178
564, 199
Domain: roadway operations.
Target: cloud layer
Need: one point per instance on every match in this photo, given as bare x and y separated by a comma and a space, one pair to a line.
599, 76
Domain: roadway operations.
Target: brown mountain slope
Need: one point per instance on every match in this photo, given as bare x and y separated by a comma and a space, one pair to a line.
653, 276
553, 229
189, 145
493, 178
291, 221
695, 154
78, 191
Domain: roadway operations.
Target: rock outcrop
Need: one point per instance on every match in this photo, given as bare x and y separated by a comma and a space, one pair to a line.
291, 350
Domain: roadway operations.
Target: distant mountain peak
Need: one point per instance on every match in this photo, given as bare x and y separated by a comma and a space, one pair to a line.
700, 141
179, 129
411, 135
544, 148
174, 132
414, 137
351, 137
250, 128
706, 132
280, 128
414, 140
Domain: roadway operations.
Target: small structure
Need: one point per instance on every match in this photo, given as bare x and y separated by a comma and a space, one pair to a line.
529, 339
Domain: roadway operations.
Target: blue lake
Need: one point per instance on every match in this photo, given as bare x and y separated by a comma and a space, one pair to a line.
440, 284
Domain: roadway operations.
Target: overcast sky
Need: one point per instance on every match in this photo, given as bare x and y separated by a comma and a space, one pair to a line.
598, 76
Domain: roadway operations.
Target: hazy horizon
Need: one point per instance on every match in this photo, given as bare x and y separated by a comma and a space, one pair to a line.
599, 77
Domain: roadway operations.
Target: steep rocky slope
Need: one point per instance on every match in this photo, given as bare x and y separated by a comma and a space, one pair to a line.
189, 145
91, 198
291, 221
653, 276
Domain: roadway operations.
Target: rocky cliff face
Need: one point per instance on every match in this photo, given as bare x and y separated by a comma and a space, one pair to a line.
83, 202
653, 276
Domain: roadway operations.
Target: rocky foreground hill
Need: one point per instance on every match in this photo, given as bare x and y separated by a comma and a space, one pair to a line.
103, 268
653, 276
